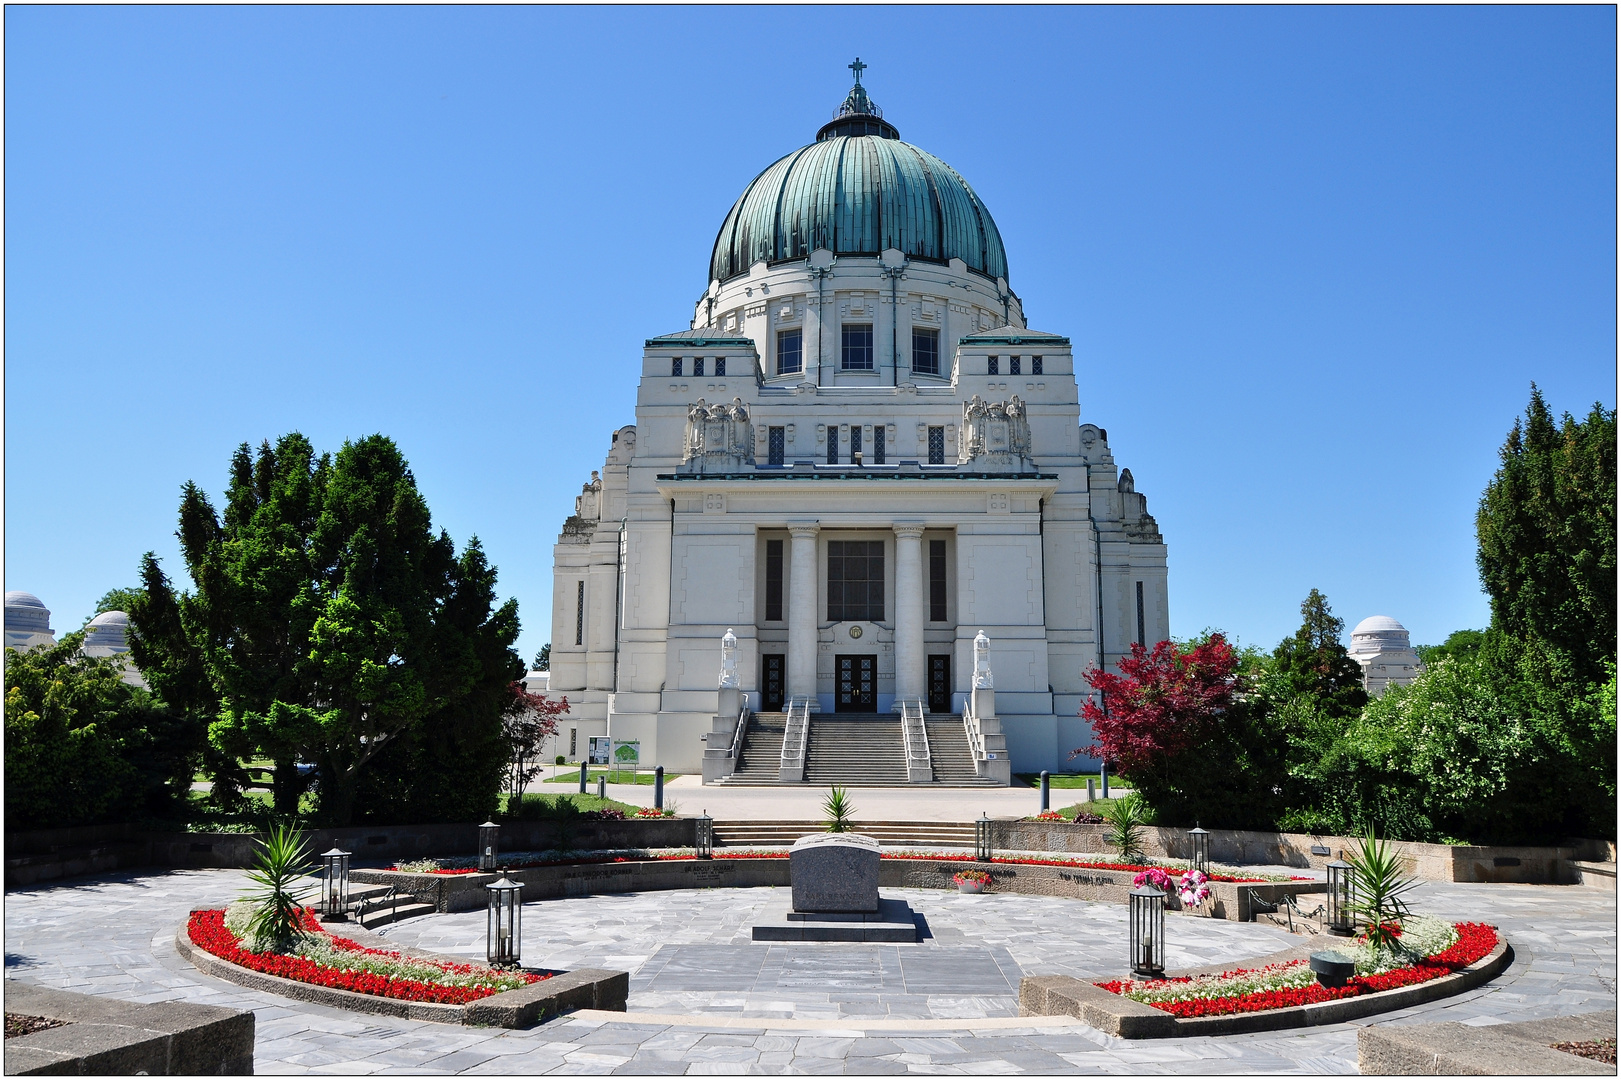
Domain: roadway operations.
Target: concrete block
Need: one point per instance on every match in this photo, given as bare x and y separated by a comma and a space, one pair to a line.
1453, 1049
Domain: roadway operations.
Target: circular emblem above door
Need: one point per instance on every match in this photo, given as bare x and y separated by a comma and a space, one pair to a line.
855, 631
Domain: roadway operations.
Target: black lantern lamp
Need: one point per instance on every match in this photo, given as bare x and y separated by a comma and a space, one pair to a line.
489, 842
1201, 849
982, 838
705, 839
1341, 885
1147, 918
506, 913
335, 891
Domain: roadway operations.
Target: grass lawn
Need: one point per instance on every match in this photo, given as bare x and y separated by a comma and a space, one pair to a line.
584, 802
1067, 780
624, 776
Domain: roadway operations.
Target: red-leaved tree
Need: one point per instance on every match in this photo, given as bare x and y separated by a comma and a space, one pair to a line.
1162, 703
529, 720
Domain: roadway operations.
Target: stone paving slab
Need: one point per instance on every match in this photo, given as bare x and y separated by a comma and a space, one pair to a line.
112, 935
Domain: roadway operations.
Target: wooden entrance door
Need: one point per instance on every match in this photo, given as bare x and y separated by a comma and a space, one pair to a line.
857, 679
773, 668
940, 683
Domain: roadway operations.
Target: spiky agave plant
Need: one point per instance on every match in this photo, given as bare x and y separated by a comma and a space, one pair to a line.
282, 859
1378, 889
1126, 817
838, 810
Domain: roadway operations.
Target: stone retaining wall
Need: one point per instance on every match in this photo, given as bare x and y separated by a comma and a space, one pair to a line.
466, 892
49, 854
1431, 862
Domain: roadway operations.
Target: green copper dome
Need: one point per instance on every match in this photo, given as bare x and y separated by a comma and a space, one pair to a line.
858, 190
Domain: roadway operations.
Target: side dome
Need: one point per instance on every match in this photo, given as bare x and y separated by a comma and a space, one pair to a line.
858, 190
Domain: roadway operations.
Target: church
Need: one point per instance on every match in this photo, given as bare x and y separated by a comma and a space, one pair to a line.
855, 462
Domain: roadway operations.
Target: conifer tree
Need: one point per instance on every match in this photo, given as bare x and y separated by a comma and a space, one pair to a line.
1314, 663
328, 621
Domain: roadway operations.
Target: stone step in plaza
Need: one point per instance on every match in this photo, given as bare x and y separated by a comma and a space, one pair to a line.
706, 998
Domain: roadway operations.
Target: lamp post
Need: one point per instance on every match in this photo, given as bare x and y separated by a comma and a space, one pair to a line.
1201, 849
489, 841
335, 892
1147, 919
505, 916
705, 838
1341, 884
982, 838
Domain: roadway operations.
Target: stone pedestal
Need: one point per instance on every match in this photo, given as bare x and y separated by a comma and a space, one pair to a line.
835, 895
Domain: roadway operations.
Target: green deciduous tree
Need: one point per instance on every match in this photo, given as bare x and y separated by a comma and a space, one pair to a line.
83, 746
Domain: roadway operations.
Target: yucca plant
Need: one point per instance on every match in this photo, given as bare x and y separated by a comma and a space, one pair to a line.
1379, 885
838, 810
278, 902
1126, 817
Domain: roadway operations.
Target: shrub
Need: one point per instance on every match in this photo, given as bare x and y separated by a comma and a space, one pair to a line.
277, 902
1126, 820
838, 810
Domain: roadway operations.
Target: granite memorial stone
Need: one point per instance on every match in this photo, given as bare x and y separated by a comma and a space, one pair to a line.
834, 872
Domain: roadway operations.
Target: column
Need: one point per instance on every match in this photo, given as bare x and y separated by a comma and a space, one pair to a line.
802, 611
909, 678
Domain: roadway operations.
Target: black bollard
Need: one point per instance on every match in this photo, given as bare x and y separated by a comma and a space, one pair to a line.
1104, 766
1045, 791
658, 787
582, 778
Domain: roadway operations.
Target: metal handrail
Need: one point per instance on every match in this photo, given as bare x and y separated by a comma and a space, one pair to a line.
796, 731
916, 735
737, 735
367, 902
976, 738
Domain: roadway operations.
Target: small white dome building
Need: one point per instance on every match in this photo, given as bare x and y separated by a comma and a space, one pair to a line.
28, 622
1382, 647
107, 635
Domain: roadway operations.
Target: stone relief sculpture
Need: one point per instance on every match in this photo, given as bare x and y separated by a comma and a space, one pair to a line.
996, 434
720, 437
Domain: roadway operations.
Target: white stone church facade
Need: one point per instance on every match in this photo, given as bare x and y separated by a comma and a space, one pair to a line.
857, 458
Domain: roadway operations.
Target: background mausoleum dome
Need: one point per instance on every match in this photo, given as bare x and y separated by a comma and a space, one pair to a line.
28, 622
1378, 632
858, 190
107, 634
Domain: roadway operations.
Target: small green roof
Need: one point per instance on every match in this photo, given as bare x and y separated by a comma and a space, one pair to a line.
700, 339
1013, 335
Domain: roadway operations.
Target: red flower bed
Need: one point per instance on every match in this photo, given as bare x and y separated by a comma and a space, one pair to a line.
1068, 863
1475, 940
208, 932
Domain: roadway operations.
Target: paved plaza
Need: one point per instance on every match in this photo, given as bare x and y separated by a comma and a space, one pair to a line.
705, 1001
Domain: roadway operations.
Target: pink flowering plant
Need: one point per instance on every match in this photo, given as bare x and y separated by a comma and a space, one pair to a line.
1154, 877
1193, 889
978, 877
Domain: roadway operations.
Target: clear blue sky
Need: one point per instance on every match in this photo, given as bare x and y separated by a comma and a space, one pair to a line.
1311, 258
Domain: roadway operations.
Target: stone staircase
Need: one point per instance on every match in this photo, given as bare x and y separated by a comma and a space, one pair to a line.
866, 752
855, 753
371, 906
761, 755
949, 754
888, 833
